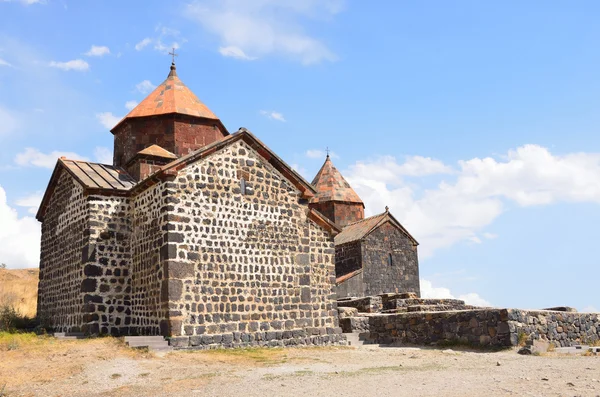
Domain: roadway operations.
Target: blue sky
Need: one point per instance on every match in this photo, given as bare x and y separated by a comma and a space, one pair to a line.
476, 122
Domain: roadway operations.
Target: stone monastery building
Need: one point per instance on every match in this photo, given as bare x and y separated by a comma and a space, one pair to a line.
197, 232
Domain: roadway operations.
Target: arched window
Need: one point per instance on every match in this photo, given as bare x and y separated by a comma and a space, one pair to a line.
390, 260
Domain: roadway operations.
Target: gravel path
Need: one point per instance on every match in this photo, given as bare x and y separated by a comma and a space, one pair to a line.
104, 368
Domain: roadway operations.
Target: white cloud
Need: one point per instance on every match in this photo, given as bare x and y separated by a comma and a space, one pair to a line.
252, 29
472, 197
490, 236
98, 51
33, 157
107, 119
32, 202
145, 87
8, 122
19, 237
76, 64
129, 105
5, 63
235, 52
273, 115
431, 292
589, 309
140, 46
103, 155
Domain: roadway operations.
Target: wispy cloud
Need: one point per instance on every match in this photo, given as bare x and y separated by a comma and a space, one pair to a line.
98, 51
273, 115
129, 105
76, 64
32, 202
145, 87
26, 2
5, 63
248, 30
235, 52
32, 157
143, 43
165, 40
107, 119
319, 154
103, 155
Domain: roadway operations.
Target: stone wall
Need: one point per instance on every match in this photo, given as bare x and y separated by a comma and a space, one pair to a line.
149, 281
107, 277
243, 256
381, 275
485, 327
61, 273
348, 258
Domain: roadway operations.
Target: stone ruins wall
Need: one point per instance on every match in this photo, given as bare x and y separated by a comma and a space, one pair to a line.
149, 284
61, 274
381, 276
106, 267
485, 327
243, 259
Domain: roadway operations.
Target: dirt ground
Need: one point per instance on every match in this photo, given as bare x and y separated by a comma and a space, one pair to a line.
32, 366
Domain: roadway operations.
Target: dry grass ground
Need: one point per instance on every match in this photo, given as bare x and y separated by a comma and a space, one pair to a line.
43, 366
18, 288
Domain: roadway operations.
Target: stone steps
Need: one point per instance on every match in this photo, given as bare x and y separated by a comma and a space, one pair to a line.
69, 335
154, 343
357, 339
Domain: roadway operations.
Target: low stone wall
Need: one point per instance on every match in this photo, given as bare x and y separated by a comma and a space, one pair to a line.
483, 327
298, 337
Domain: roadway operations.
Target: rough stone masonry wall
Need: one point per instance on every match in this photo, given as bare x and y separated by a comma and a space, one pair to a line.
59, 295
485, 327
402, 275
149, 284
244, 262
107, 267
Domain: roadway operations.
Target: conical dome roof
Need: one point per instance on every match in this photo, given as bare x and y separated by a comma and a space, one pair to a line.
171, 96
331, 186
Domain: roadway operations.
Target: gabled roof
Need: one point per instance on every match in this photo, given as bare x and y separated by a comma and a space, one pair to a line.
360, 229
331, 186
171, 96
306, 189
157, 151
91, 176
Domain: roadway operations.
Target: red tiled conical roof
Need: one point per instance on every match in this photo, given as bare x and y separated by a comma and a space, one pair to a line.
331, 186
171, 96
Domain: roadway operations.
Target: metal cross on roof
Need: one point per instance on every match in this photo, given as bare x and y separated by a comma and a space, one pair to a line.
327, 150
173, 55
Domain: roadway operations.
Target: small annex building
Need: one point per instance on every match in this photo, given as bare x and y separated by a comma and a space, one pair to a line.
374, 255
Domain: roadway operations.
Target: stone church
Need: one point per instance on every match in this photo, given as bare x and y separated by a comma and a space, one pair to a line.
195, 232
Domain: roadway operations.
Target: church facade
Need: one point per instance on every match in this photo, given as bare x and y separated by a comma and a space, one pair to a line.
193, 233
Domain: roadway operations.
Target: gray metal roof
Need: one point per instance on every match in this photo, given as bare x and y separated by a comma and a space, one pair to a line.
99, 176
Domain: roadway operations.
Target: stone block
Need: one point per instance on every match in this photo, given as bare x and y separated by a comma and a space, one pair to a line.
180, 269
179, 341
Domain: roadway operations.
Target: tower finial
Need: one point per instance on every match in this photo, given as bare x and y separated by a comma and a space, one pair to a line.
387, 209
327, 150
173, 71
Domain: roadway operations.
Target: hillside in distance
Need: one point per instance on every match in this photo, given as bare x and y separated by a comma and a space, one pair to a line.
18, 288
